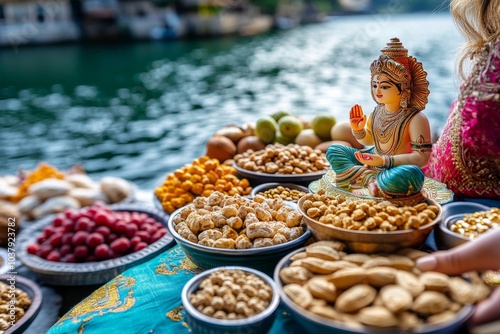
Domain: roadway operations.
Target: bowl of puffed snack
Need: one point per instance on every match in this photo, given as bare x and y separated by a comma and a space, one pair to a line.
326, 289
230, 299
20, 301
369, 226
234, 230
464, 221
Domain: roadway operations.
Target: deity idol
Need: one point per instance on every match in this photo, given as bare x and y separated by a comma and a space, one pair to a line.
397, 129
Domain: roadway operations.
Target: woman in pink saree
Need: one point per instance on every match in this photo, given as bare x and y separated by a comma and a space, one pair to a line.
467, 155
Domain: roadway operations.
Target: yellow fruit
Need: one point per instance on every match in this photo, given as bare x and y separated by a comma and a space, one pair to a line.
322, 125
307, 137
290, 126
265, 129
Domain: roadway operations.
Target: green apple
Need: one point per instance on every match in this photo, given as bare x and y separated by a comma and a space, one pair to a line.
290, 126
265, 129
282, 139
278, 114
322, 125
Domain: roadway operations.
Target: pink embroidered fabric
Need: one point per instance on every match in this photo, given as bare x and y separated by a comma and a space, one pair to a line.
467, 155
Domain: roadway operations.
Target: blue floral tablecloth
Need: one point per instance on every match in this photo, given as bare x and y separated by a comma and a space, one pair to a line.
144, 299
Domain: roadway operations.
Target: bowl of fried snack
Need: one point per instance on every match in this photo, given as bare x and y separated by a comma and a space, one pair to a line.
223, 230
230, 299
326, 289
369, 226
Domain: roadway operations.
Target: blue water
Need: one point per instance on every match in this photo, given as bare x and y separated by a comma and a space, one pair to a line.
141, 110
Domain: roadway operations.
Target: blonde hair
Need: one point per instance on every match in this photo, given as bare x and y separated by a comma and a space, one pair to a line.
479, 23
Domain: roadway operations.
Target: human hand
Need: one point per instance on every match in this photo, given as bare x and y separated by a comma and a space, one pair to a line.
479, 254
369, 159
357, 118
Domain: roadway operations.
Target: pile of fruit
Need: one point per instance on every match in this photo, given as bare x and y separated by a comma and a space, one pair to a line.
96, 233
280, 128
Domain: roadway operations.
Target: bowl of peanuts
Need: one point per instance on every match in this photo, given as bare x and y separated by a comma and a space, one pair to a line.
464, 221
369, 226
230, 299
326, 289
223, 230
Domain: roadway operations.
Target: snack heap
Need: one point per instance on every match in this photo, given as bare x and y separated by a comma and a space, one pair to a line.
200, 178
232, 294
236, 222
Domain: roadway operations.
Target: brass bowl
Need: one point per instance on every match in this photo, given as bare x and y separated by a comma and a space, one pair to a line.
371, 242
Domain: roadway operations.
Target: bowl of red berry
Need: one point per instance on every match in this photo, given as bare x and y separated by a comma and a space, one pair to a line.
94, 244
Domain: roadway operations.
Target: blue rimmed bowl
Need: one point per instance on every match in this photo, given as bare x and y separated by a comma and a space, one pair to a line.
200, 323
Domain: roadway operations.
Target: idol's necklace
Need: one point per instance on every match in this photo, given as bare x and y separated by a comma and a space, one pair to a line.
389, 127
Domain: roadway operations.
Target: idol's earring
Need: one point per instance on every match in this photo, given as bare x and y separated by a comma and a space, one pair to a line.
404, 100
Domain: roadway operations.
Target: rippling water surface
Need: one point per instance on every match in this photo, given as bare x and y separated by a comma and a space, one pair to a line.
141, 110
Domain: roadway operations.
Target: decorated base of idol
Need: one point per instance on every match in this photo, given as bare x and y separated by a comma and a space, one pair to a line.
431, 189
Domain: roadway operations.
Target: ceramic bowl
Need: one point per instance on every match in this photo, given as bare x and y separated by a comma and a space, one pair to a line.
35, 294
200, 323
445, 238
312, 323
89, 273
371, 242
262, 258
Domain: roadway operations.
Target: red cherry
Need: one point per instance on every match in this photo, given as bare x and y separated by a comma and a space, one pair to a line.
33, 248
102, 252
54, 256
134, 241
69, 258
79, 238
140, 245
103, 230
56, 240
81, 252
65, 250
95, 239
120, 245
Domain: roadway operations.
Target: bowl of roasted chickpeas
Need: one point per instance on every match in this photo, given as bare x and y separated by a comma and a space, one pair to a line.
235, 230
464, 221
230, 299
369, 226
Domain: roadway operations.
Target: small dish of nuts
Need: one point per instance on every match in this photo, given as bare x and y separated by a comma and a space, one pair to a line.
20, 301
230, 299
286, 191
463, 221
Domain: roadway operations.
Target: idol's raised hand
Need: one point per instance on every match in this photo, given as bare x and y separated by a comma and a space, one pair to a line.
357, 118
